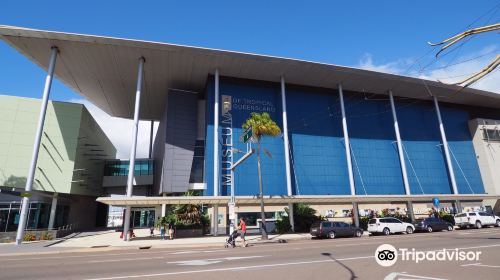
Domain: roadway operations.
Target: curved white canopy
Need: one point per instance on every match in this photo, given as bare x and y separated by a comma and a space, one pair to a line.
104, 70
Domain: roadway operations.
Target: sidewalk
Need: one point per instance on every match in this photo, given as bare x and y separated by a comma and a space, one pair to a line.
110, 240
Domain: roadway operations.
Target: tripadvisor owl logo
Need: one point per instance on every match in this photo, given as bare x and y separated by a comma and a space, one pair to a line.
386, 255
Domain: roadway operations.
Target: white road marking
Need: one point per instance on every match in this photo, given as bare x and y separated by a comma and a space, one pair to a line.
212, 261
470, 264
226, 269
404, 276
481, 265
124, 260
184, 252
480, 232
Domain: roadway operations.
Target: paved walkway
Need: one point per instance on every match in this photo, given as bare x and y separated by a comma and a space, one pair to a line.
110, 240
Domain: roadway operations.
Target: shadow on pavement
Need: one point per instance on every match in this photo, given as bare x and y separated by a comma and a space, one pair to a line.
353, 275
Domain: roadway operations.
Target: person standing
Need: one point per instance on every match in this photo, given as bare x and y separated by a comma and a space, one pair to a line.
162, 231
243, 230
171, 228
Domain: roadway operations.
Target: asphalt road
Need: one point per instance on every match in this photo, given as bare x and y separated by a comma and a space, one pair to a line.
343, 258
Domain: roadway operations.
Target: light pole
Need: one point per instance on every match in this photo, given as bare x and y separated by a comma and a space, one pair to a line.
261, 194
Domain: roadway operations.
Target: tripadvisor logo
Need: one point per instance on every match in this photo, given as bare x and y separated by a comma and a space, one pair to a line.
387, 255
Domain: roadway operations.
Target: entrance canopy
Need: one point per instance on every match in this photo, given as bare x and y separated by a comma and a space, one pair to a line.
104, 70
312, 199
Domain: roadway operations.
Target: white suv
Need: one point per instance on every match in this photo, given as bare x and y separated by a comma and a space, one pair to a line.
476, 219
389, 225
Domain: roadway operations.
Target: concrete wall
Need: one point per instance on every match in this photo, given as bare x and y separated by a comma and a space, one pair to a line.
488, 157
175, 142
65, 162
18, 121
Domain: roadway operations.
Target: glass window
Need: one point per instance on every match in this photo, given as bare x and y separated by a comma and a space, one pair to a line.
372, 221
491, 135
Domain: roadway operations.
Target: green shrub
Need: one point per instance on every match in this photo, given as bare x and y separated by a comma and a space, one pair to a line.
363, 222
283, 225
446, 217
46, 236
29, 236
303, 217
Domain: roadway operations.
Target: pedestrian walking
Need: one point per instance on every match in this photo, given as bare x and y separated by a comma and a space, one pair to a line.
162, 231
171, 230
243, 230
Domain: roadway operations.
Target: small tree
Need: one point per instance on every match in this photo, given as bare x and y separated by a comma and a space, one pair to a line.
262, 125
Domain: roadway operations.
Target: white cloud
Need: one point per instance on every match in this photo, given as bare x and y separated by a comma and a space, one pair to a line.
120, 131
472, 63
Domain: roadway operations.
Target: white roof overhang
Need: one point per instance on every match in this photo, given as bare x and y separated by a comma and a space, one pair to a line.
104, 70
320, 199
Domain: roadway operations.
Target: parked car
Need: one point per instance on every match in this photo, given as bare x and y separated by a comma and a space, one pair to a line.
432, 224
476, 219
334, 230
387, 226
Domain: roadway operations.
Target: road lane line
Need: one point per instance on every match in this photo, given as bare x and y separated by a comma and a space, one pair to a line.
480, 232
481, 265
124, 260
469, 264
228, 269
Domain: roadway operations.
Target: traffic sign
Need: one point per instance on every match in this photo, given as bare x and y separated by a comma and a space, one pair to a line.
247, 135
435, 201
26, 194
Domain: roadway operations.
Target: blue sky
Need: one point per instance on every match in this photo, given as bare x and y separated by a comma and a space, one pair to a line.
380, 35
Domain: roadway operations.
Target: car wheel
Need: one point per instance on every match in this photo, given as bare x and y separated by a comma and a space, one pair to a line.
497, 224
429, 229
386, 231
331, 235
450, 228
409, 230
478, 224
359, 233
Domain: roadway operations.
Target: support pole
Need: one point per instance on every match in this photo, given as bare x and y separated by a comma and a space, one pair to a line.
458, 206
286, 144
36, 146
130, 178
53, 208
355, 213
151, 140
216, 220
400, 145
346, 141
216, 134
164, 208
446, 149
411, 214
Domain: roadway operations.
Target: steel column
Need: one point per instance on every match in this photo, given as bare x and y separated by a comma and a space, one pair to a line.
409, 207
346, 142
286, 144
215, 219
151, 140
446, 149
355, 213
216, 134
400, 145
36, 146
133, 149
164, 207
53, 208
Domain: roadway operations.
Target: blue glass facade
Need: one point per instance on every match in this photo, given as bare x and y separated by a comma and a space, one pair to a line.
317, 143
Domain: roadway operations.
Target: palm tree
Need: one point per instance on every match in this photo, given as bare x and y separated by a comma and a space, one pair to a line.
262, 125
